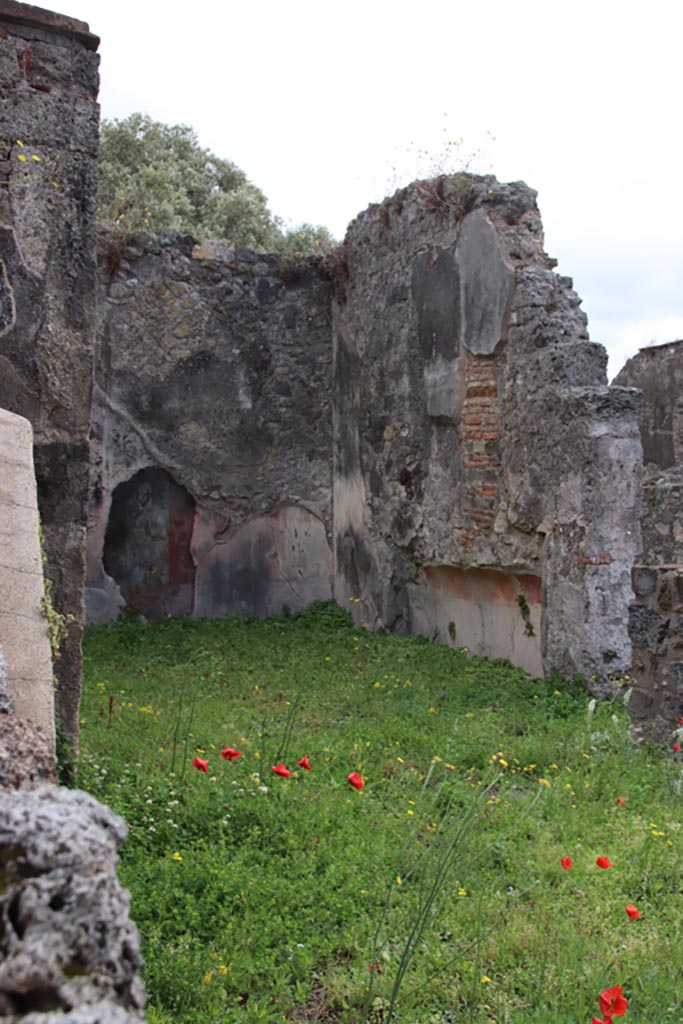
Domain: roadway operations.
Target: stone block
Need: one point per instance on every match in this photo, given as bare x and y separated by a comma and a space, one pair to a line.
644, 580
23, 627
647, 628
486, 285
66, 939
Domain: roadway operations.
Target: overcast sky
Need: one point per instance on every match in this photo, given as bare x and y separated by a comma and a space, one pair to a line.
327, 108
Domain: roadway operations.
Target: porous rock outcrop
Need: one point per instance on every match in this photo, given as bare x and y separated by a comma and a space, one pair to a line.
68, 951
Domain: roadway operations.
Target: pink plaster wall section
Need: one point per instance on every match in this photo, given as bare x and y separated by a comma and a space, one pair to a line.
479, 609
264, 565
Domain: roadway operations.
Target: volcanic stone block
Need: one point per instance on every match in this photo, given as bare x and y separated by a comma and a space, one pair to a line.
66, 940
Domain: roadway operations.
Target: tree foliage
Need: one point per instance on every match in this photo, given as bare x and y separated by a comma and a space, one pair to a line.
156, 177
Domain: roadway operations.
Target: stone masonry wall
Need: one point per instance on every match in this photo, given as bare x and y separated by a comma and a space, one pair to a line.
48, 149
655, 701
658, 372
485, 477
656, 614
211, 488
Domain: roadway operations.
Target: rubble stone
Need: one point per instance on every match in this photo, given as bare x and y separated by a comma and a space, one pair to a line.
67, 947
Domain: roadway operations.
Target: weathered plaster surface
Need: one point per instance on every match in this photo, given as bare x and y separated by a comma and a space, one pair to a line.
211, 490
482, 610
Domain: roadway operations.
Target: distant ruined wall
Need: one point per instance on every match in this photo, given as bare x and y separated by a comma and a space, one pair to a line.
656, 613
49, 124
485, 477
658, 372
211, 486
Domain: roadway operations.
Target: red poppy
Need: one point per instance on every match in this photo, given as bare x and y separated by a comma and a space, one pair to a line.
680, 721
675, 746
355, 780
202, 765
280, 769
567, 863
612, 1002
607, 1020
621, 801
304, 763
604, 862
632, 912
229, 754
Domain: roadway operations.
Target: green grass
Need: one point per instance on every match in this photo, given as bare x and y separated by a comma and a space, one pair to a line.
263, 900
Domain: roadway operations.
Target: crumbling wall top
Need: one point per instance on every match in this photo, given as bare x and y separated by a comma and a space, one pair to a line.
26, 16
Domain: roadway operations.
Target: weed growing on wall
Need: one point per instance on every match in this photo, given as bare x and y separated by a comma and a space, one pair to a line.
441, 152
21, 168
525, 612
330, 825
57, 623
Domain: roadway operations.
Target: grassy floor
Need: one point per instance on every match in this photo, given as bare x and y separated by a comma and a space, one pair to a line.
435, 893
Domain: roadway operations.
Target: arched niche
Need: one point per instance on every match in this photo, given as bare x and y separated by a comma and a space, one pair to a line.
147, 544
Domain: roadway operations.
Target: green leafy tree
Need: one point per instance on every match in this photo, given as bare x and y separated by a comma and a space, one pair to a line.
307, 238
157, 177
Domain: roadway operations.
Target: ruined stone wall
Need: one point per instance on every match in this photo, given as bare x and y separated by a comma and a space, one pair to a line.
658, 372
655, 701
656, 613
48, 149
211, 489
485, 478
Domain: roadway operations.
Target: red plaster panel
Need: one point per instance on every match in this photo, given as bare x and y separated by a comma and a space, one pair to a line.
490, 586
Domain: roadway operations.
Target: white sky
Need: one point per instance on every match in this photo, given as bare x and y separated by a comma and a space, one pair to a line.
326, 106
